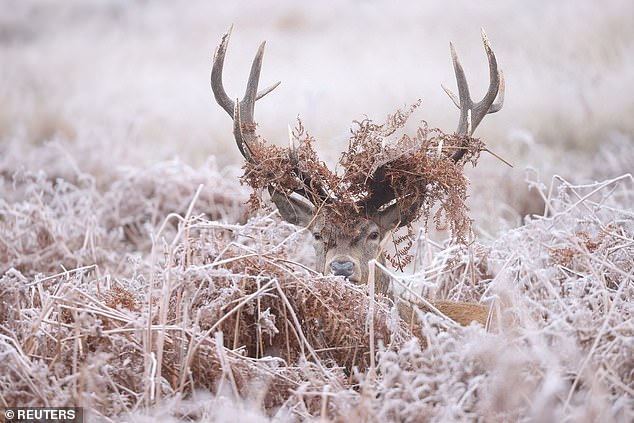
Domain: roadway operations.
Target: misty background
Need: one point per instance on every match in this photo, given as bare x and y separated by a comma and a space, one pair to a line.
127, 82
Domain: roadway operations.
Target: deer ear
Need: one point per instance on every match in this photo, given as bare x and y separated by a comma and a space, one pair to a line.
392, 217
293, 209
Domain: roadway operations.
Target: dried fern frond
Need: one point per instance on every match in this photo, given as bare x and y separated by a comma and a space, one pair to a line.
416, 171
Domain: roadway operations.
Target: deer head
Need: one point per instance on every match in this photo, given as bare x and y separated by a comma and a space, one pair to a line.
347, 238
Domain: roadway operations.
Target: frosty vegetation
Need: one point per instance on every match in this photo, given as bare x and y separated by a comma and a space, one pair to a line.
151, 297
147, 290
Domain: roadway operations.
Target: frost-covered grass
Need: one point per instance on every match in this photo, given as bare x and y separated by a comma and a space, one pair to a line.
118, 267
126, 299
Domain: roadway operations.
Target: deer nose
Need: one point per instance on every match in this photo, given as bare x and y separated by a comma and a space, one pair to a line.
342, 268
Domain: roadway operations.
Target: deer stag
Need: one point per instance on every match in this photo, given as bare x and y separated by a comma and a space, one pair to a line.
347, 251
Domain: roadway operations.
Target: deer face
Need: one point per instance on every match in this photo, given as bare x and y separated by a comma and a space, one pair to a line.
340, 254
338, 251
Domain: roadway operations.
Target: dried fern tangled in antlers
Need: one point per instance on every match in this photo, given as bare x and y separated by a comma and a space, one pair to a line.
383, 168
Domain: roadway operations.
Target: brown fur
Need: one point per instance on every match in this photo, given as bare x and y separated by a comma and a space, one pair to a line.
462, 313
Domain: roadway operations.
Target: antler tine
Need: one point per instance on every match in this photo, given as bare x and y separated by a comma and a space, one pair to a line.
471, 113
216, 75
451, 95
292, 147
247, 105
497, 105
496, 83
267, 90
251, 95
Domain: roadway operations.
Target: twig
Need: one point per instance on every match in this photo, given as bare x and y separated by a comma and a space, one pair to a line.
370, 318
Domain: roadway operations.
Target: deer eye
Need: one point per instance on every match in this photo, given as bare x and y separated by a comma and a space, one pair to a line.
317, 236
373, 236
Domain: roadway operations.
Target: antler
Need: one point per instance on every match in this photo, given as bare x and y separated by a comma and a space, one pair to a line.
382, 193
471, 114
242, 111
244, 125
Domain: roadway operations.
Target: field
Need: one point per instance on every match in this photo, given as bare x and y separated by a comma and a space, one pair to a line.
136, 282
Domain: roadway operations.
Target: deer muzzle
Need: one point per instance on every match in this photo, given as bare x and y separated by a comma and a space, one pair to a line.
342, 268
345, 266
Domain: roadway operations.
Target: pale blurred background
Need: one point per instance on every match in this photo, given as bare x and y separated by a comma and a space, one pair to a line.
127, 82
